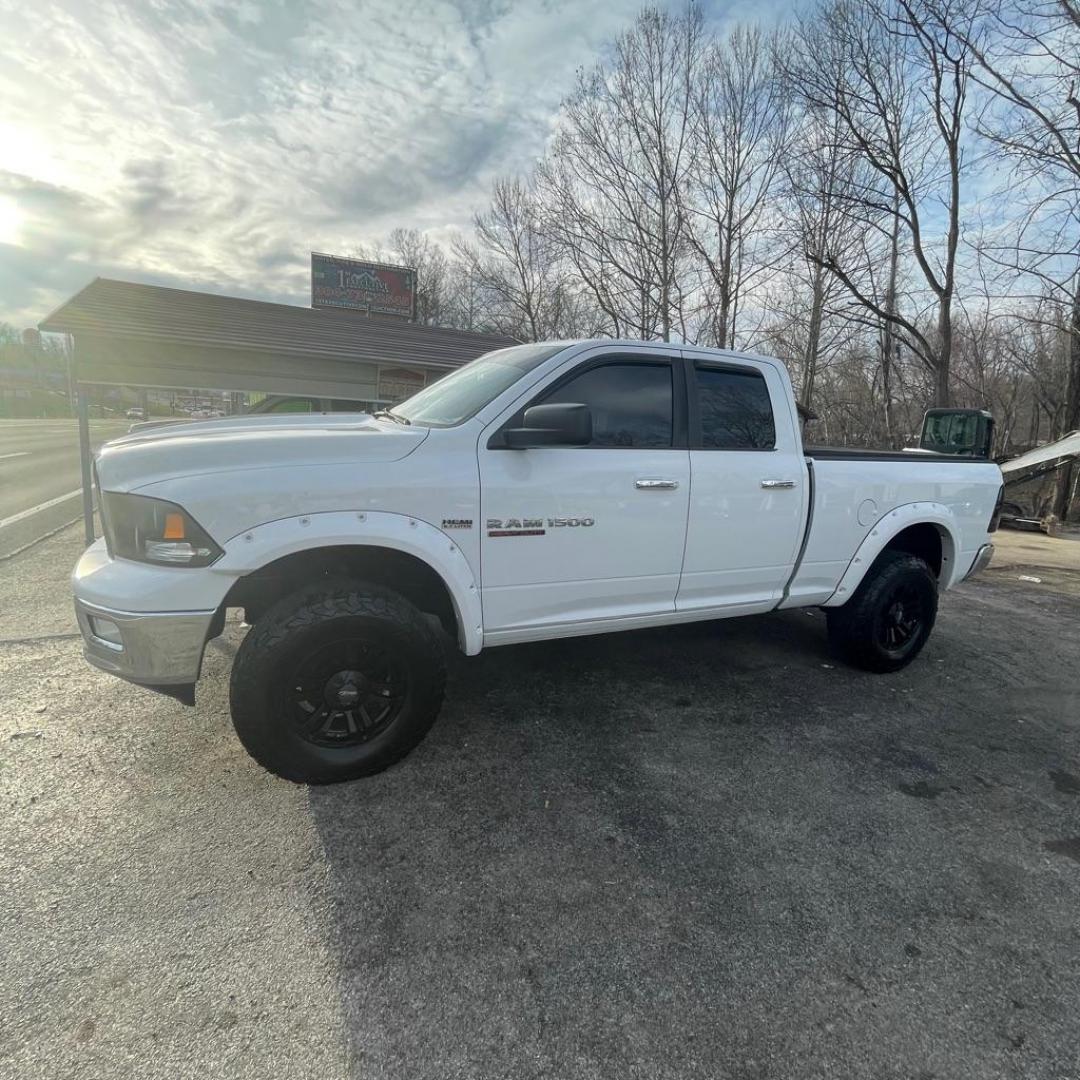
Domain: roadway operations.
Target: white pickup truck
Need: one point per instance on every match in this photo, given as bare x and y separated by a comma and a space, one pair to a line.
542, 491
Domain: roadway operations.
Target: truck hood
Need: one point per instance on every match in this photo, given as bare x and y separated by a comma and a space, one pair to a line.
251, 442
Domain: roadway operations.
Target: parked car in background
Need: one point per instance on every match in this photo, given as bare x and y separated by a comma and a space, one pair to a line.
542, 491
136, 414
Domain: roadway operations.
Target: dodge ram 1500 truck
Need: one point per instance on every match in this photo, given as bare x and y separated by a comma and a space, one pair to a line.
541, 491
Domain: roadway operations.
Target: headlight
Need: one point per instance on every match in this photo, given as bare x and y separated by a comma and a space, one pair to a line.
154, 531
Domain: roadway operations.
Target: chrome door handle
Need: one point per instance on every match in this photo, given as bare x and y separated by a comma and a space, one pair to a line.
650, 484
777, 483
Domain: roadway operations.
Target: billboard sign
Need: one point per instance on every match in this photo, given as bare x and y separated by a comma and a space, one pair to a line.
376, 288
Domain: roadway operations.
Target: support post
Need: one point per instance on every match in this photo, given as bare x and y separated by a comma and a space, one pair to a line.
85, 461
69, 351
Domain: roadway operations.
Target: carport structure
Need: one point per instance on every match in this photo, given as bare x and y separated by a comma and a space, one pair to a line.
147, 336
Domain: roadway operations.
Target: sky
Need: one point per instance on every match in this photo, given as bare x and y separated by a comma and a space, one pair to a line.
212, 144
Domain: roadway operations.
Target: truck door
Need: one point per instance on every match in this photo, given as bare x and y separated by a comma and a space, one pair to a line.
577, 534
749, 486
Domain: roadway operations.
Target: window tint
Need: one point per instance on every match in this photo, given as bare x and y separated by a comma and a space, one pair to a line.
631, 404
736, 413
954, 433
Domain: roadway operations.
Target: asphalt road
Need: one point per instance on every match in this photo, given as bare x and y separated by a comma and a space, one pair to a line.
699, 852
39, 463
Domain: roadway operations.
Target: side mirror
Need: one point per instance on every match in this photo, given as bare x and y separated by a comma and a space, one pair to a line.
552, 425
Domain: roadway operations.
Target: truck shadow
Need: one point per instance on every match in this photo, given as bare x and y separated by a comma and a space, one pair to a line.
506, 898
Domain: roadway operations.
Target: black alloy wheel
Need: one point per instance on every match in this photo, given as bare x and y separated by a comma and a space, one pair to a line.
900, 619
346, 693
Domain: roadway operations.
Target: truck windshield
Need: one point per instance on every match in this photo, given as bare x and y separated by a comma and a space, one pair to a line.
462, 394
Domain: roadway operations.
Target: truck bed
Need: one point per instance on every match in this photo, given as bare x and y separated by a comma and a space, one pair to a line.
852, 489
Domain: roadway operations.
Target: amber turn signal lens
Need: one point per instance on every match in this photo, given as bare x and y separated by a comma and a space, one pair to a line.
174, 527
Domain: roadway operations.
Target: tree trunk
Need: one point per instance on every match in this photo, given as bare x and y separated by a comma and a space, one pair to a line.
813, 337
944, 353
720, 319
889, 342
1070, 420
665, 267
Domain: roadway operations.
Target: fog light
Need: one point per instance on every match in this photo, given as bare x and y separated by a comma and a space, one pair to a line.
106, 630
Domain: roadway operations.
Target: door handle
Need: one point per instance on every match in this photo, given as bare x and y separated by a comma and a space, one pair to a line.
777, 483
652, 484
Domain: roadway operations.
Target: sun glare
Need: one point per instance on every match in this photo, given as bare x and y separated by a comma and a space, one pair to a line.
10, 218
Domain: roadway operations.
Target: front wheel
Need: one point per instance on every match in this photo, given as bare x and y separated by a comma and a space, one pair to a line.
885, 624
336, 682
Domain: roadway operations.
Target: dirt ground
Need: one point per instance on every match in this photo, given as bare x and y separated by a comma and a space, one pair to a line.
1054, 561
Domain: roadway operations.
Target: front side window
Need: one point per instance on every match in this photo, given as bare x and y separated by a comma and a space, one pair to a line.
735, 410
631, 403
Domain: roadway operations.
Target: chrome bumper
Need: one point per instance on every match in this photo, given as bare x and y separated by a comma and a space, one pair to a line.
161, 651
981, 561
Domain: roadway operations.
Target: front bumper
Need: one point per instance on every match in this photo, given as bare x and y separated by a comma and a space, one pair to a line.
981, 560
159, 650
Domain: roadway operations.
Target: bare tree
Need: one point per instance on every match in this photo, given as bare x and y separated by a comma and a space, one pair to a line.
688, 193
467, 300
1027, 56
611, 182
411, 247
740, 134
897, 78
818, 174
517, 263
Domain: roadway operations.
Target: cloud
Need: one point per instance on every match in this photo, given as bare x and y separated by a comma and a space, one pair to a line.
213, 144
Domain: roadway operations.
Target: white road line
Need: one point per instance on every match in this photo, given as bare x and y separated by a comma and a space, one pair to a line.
24, 514
21, 453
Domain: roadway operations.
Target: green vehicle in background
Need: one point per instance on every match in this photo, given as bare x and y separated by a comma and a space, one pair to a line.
965, 432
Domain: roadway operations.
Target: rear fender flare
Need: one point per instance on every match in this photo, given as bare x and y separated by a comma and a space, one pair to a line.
255, 548
885, 529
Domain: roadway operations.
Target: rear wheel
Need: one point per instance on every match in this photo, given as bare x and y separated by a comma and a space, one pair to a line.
885, 624
336, 682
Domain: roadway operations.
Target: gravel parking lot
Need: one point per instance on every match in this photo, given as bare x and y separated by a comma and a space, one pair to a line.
702, 852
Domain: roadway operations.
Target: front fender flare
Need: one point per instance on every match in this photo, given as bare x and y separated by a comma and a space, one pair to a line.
884, 530
255, 548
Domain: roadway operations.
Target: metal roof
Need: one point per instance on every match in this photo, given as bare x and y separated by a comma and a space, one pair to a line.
1066, 446
107, 308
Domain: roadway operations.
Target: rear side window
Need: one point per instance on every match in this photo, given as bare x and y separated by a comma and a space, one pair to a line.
631, 403
735, 410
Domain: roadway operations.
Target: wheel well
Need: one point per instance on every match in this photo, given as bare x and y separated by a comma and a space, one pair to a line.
406, 574
924, 541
